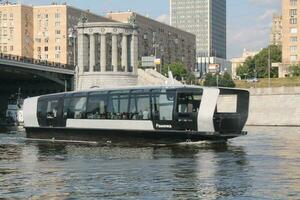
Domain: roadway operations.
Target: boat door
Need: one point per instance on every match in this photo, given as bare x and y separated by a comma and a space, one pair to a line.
186, 110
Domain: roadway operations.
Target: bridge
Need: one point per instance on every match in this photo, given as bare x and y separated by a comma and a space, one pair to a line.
34, 77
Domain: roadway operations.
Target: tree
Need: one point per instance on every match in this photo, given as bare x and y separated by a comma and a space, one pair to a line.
258, 65
224, 80
295, 70
178, 70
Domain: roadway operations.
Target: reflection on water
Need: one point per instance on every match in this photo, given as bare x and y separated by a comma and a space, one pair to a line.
265, 165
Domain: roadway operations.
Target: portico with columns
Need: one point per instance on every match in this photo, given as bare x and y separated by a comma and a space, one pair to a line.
107, 55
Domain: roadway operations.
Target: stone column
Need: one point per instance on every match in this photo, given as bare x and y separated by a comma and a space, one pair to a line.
124, 52
82, 53
134, 52
103, 52
92, 52
114, 50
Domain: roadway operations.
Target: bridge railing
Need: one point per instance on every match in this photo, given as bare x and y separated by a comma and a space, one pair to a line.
44, 63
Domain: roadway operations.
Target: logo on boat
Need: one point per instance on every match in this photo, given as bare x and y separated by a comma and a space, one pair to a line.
163, 126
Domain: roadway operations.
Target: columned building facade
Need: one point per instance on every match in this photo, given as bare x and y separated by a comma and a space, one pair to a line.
107, 55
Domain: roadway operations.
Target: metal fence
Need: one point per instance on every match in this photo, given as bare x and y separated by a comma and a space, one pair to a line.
44, 63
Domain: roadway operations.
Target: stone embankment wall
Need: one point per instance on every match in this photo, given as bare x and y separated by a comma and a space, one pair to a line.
274, 107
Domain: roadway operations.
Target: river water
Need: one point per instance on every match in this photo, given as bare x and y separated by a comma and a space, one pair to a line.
262, 165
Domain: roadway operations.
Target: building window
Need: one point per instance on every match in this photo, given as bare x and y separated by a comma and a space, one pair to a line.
39, 49
293, 12
57, 48
293, 49
5, 49
57, 24
293, 39
57, 32
293, 58
46, 48
293, 30
293, 2
293, 21
11, 48
57, 15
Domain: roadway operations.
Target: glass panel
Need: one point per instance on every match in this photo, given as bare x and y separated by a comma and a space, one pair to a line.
188, 103
97, 107
52, 107
165, 106
77, 108
118, 107
227, 104
41, 109
139, 107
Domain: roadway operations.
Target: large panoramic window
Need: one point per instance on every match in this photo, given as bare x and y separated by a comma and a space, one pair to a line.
97, 107
118, 106
139, 108
76, 108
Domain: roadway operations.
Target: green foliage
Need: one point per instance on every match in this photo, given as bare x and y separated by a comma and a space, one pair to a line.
179, 72
224, 80
295, 70
257, 66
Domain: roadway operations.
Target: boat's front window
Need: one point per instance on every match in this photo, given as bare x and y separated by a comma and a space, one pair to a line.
163, 105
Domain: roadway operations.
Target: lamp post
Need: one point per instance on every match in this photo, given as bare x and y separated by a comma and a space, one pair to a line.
73, 36
269, 65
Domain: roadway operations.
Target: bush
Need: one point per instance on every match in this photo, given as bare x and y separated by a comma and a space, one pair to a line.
224, 80
295, 70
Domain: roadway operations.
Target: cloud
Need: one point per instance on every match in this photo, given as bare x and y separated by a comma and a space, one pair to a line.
267, 15
255, 35
252, 38
164, 19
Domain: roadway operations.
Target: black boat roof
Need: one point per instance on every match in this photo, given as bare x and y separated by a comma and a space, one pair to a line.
96, 89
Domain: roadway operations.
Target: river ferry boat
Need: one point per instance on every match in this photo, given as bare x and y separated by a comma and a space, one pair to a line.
161, 113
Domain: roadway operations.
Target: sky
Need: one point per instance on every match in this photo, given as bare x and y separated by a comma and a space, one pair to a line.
248, 21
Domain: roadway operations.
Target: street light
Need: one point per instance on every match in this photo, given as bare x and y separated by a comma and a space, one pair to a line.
73, 36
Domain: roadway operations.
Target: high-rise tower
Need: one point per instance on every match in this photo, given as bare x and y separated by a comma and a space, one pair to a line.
204, 18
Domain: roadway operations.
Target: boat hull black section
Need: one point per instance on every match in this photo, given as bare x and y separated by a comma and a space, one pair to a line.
158, 136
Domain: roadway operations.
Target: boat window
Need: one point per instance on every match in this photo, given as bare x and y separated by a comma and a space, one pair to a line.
139, 108
52, 108
118, 106
188, 103
77, 108
97, 107
41, 109
163, 105
227, 103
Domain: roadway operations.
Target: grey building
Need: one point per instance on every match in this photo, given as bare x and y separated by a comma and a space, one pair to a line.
204, 18
161, 40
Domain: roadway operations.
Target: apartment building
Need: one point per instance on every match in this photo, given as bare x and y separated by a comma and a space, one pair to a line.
276, 30
291, 32
41, 32
16, 33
